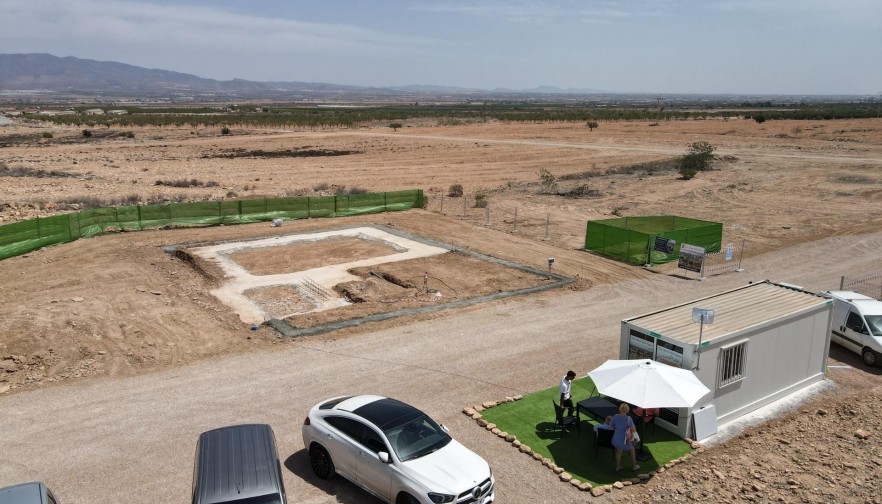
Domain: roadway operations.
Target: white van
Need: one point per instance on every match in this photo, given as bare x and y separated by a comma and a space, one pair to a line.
857, 324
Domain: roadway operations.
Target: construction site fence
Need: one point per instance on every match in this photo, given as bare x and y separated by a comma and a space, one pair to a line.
868, 286
632, 239
25, 236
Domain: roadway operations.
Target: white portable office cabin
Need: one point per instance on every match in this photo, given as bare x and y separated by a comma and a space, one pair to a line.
767, 341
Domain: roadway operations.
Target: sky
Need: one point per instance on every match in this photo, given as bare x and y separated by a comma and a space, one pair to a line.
792, 47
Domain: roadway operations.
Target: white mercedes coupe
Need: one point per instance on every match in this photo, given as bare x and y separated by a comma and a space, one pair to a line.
394, 451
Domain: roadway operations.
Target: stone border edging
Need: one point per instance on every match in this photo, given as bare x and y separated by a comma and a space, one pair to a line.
474, 412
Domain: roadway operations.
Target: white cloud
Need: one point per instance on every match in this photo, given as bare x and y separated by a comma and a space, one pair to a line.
121, 22
859, 12
549, 11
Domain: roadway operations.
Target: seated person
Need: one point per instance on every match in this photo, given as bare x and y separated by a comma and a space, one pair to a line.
646, 413
607, 424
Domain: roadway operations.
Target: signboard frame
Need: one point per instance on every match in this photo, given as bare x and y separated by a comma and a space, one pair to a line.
691, 258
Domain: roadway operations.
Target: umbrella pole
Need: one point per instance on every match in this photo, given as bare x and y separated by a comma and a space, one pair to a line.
642, 455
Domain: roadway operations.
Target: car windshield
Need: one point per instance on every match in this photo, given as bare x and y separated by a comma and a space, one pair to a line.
417, 438
875, 323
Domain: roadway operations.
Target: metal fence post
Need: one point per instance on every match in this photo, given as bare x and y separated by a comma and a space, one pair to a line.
514, 227
547, 219
442, 203
842, 282
740, 257
464, 200
488, 215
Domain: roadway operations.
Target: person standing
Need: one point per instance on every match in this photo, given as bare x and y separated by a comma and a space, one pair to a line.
566, 400
623, 437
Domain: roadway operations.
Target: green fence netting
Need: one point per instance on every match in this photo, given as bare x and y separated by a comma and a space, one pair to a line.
22, 237
632, 239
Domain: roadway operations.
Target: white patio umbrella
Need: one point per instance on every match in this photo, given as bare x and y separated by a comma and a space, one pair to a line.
648, 384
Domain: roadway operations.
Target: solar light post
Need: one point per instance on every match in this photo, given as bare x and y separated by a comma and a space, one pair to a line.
701, 316
550, 262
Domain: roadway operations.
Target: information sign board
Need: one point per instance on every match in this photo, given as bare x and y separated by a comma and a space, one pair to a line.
691, 257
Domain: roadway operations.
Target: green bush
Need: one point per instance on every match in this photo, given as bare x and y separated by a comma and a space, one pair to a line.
548, 180
687, 172
455, 191
47, 134
225, 131
698, 158
87, 133
480, 199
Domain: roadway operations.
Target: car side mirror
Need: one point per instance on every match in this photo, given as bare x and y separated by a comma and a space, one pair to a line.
445, 429
384, 457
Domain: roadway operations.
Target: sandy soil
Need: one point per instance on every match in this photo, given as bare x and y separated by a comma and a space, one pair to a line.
117, 305
304, 256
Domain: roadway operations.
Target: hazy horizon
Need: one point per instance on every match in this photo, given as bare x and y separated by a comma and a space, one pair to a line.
750, 47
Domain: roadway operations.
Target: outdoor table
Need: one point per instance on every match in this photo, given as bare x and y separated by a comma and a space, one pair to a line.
598, 407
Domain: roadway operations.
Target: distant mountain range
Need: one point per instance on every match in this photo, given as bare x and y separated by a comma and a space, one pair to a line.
45, 73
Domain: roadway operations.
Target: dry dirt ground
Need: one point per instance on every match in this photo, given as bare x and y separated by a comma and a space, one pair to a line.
117, 305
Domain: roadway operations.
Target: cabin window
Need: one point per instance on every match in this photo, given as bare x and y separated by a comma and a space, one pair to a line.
640, 345
731, 365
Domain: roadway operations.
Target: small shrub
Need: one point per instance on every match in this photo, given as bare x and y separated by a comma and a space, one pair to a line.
854, 179
617, 211
698, 158
591, 125
23, 171
548, 180
759, 118
186, 183
225, 131
582, 191
232, 194
47, 134
395, 126
687, 172
348, 191
81, 202
87, 133
480, 199
131, 199
455, 191
321, 186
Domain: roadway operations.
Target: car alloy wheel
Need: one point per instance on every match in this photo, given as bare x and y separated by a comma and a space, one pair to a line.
321, 462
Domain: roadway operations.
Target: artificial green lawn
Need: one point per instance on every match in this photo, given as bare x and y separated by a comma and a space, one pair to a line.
532, 420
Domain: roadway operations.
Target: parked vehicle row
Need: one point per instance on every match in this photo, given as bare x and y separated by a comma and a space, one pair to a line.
388, 448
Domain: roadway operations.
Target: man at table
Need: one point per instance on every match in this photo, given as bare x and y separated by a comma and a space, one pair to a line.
566, 401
